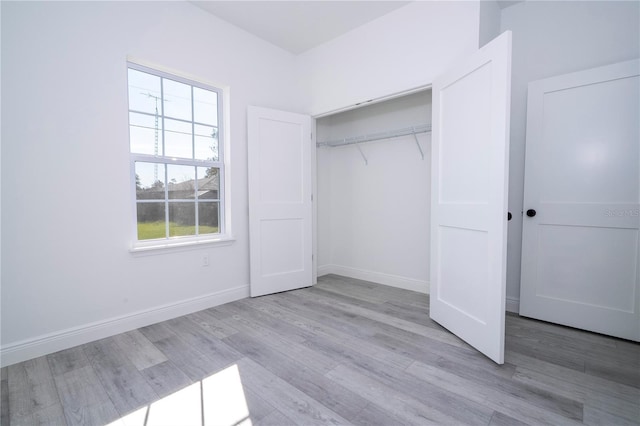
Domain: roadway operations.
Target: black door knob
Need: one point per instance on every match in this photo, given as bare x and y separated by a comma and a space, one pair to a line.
509, 216
531, 212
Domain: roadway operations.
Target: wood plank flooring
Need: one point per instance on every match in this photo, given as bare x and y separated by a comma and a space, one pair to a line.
342, 352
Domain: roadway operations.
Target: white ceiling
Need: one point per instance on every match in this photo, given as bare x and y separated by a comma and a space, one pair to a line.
298, 26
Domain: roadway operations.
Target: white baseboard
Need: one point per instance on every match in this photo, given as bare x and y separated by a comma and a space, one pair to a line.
65, 339
376, 277
325, 270
513, 305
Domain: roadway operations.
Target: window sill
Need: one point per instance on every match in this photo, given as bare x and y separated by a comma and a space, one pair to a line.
167, 246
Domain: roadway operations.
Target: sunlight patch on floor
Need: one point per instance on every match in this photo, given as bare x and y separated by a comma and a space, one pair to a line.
216, 400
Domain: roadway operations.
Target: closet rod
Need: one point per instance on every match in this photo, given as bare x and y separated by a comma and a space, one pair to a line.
424, 128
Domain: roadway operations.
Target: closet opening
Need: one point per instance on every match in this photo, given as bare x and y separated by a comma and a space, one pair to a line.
373, 192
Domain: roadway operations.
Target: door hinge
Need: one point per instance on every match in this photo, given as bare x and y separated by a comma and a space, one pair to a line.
312, 198
311, 136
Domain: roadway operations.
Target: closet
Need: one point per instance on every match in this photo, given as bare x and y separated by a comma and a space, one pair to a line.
373, 185
380, 199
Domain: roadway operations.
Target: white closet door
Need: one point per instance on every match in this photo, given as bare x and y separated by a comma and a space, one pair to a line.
280, 206
580, 249
470, 144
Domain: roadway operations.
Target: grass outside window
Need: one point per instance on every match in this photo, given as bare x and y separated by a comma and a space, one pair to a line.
155, 230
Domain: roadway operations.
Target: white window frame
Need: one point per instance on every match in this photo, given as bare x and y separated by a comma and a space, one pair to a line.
224, 236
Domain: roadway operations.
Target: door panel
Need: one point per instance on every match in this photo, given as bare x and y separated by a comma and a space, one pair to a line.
605, 255
281, 185
468, 180
463, 262
581, 252
469, 197
280, 208
591, 154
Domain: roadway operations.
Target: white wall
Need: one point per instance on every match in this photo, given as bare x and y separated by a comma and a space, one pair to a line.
68, 276
374, 219
402, 50
489, 21
552, 38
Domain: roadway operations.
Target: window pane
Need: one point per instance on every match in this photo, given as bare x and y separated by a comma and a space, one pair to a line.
149, 181
208, 183
177, 139
151, 221
144, 91
208, 214
205, 106
182, 219
143, 130
177, 99
206, 143
181, 182
176, 123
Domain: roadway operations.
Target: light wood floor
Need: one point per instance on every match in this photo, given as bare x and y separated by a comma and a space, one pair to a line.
342, 352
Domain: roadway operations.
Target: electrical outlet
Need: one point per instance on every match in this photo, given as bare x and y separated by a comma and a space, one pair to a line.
205, 260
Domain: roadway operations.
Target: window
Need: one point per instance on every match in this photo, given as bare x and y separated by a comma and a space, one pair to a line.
175, 128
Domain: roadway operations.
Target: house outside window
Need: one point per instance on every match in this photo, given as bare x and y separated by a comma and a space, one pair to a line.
177, 163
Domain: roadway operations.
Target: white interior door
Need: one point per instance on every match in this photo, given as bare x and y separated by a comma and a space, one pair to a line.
470, 144
580, 252
280, 205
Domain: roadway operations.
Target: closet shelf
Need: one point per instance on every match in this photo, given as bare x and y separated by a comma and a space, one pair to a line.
423, 128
